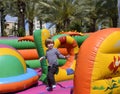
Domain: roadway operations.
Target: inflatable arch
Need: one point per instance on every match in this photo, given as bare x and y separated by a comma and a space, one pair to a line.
14, 75
68, 43
68, 69
98, 64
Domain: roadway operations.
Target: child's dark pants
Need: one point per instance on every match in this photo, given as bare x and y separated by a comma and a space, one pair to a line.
50, 77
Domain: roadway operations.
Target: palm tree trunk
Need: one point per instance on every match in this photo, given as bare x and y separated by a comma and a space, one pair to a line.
93, 29
118, 13
21, 19
115, 21
58, 27
66, 24
31, 27
1, 22
40, 24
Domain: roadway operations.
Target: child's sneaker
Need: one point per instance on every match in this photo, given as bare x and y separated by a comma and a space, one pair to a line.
49, 89
53, 86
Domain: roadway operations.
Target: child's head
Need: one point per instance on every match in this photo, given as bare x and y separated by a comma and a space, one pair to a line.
49, 43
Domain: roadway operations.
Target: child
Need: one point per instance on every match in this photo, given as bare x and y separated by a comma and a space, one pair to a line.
52, 54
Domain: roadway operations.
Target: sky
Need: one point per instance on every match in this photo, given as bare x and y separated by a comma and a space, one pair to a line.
10, 18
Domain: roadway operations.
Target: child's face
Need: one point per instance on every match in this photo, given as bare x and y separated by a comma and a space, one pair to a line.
50, 45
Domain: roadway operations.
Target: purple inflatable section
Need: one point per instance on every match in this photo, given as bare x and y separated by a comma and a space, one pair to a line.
3, 46
61, 88
6, 46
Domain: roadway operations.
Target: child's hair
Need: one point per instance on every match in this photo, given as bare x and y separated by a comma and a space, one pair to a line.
48, 41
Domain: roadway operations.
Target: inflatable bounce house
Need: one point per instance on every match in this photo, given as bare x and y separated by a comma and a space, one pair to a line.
14, 75
19, 60
94, 65
65, 43
98, 64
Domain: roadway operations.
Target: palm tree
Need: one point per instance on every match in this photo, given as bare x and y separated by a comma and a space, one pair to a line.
21, 17
24, 9
32, 11
3, 13
102, 10
60, 12
64, 13
1, 17
109, 9
17, 8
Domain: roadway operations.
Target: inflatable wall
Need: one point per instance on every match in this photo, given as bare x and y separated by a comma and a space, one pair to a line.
26, 47
23, 47
98, 64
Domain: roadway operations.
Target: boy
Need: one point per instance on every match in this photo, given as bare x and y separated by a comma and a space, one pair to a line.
52, 54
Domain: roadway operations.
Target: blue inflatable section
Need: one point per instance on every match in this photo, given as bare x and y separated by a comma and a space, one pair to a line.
29, 74
70, 71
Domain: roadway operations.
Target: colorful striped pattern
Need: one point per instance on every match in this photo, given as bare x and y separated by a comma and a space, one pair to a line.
67, 70
20, 82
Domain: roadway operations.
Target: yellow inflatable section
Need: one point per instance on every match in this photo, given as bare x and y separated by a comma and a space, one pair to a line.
4, 51
98, 64
66, 72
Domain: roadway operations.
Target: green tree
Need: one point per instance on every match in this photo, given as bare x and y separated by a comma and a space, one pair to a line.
32, 10
60, 12
118, 5
2, 16
21, 17
102, 10
17, 8
108, 8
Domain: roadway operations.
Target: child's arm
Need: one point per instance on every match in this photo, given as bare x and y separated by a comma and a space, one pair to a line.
61, 56
67, 56
41, 58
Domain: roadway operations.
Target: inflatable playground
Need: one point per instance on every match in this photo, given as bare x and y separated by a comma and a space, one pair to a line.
92, 68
